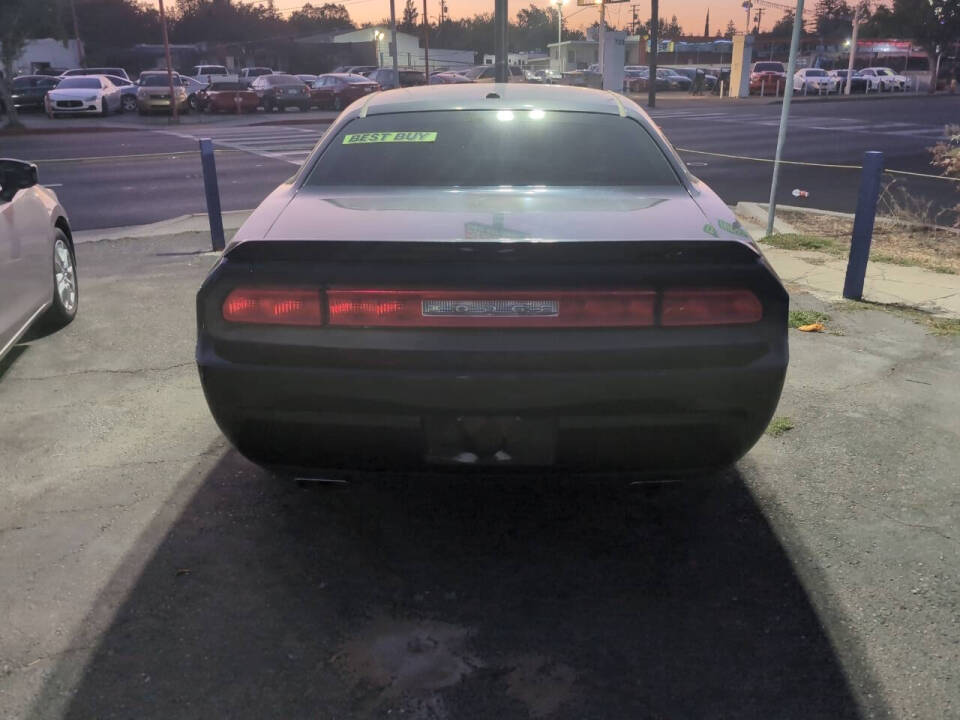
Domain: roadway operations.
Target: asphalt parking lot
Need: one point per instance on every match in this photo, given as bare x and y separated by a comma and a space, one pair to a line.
150, 571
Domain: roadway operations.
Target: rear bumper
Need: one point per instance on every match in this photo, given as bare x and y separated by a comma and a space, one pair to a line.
644, 420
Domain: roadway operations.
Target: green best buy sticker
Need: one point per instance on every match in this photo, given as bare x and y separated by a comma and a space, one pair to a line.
389, 137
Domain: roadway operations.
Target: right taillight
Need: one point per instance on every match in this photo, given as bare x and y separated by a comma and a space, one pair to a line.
274, 306
709, 306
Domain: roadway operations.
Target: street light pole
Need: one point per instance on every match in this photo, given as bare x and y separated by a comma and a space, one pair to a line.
853, 48
784, 114
393, 50
174, 116
560, 4
76, 34
654, 49
426, 42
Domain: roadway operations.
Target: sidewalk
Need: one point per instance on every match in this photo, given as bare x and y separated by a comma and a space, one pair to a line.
822, 275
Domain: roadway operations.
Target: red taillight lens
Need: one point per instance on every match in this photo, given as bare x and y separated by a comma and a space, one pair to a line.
709, 307
414, 308
273, 306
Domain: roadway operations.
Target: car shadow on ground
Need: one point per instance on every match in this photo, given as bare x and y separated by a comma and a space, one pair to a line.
480, 598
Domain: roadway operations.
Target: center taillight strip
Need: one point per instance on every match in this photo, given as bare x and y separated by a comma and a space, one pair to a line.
364, 307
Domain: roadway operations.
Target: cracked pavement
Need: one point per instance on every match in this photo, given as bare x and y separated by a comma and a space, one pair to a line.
150, 571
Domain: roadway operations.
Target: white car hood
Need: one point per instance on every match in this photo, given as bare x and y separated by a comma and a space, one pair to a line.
75, 93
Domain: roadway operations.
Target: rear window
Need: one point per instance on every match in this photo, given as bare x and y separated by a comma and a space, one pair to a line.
472, 148
768, 67
356, 79
816, 73
226, 86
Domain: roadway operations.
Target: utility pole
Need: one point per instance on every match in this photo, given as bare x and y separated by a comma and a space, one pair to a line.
174, 116
602, 32
426, 42
393, 37
853, 48
76, 34
499, 40
654, 49
784, 114
748, 6
759, 18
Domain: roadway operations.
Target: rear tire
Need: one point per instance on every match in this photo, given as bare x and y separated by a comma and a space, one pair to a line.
66, 291
128, 103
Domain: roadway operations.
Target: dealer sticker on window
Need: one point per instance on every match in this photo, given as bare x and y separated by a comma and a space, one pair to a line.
389, 137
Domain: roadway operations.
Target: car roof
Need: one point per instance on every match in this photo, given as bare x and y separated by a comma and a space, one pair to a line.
471, 96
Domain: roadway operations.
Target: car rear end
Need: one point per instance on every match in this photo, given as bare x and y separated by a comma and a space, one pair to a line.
290, 93
587, 327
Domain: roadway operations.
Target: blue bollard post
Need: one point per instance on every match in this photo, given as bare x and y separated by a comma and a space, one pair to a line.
863, 224
212, 191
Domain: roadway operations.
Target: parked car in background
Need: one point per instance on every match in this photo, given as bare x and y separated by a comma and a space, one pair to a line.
448, 77
227, 96
883, 79
709, 79
153, 93
768, 77
278, 91
248, 74
128, 92
29, 92
119, 72
408, 78
487, 73
335, 91
354, 69
858, 84
38, 275
84, 95
307, 79
814, 80
208, 73
192, 86
406, 300
672, 80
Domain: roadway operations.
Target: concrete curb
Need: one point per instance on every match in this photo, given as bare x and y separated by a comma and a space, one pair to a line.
195, 222
822, 275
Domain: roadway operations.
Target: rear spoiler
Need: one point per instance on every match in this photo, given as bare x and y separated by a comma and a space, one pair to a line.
685, 252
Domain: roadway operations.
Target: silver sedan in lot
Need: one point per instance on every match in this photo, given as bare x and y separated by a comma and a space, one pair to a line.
501, 276
38, 276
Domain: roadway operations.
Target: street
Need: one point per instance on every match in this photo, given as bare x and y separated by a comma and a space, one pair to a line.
114, 177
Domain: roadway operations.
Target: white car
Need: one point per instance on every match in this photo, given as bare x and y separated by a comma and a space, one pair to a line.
86, 95
883, 79
813, 80
38, 276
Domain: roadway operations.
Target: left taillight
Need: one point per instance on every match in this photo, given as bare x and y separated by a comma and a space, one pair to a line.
274, 306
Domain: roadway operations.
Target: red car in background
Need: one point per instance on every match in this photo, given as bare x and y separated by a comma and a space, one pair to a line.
768, 78
337, 90
221, 96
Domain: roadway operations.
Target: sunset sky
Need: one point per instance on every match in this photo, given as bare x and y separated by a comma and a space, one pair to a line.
690, 13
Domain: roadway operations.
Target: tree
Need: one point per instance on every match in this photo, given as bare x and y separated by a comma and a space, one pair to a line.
730, 31
410, 14
535, 28
946, 156
834, 19
673, 30
881, 24
325, 18
99, 20
934, 25
21, 20
198, 20
784, 26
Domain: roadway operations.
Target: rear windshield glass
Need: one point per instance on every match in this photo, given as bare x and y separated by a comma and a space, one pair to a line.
218, 86
769, 67
485, 147
816, 73
79, 82
357, 79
